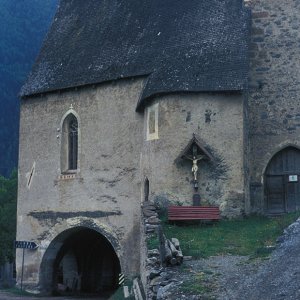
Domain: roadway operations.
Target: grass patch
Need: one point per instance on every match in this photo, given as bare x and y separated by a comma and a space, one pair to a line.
236, 237
152, 241
200, 284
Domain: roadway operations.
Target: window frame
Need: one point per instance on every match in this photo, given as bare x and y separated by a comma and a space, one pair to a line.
150, 110
65, 165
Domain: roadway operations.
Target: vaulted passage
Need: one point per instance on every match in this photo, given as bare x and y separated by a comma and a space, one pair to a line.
282, 186
84, 263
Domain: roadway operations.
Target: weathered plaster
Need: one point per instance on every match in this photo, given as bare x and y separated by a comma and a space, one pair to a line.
221, 181
106, 188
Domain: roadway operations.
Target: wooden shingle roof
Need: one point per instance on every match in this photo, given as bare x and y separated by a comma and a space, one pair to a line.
181, 46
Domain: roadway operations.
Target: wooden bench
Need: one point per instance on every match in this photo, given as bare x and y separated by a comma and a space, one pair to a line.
181, 213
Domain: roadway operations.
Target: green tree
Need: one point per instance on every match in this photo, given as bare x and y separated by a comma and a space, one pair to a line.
8, 207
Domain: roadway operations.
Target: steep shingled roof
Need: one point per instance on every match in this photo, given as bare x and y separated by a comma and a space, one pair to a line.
191, 45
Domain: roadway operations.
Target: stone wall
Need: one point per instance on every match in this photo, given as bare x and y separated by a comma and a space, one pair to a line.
274, 116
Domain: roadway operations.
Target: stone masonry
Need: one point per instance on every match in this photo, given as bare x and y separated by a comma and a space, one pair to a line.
274, 114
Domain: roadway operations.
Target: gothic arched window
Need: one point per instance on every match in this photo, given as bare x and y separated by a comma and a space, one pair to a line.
69, 144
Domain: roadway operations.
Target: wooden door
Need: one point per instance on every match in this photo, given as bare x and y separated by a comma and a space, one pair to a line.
282, 186
275, 194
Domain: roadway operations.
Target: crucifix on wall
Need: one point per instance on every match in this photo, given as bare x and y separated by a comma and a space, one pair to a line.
195, 152
195, 158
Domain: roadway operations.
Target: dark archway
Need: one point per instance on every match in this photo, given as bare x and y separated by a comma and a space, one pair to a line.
282, 186
80, 261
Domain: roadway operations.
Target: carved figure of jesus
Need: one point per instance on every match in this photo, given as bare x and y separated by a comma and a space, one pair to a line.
195, 165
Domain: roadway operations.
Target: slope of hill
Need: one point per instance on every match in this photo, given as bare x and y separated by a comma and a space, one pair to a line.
23, 25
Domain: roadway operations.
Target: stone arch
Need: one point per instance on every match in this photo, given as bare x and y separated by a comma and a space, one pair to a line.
80, 260
274, 151
282, 181
64, 144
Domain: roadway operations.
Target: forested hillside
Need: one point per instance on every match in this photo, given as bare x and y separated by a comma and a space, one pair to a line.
8, 205
24, 24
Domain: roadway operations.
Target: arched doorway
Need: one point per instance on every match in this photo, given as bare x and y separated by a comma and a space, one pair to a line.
80, 261
282, 186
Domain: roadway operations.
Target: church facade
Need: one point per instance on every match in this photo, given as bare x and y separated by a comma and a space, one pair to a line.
118, 93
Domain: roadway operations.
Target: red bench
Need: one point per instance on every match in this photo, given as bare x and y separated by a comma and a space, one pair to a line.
181, 213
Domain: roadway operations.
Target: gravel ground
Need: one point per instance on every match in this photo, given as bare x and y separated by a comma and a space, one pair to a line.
279, 278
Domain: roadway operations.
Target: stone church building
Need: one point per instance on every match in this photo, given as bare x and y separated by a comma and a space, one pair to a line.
123, 96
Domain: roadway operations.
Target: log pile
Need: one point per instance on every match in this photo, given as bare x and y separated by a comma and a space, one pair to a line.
173, 253
161, 279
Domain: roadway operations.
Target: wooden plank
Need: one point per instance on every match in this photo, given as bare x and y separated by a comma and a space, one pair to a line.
193, 213
187, 219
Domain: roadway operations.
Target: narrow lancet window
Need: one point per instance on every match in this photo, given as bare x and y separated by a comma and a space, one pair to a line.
69, 144
73, 143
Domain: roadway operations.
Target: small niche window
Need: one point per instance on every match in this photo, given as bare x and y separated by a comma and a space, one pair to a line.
146, 190
152, 122
69, 144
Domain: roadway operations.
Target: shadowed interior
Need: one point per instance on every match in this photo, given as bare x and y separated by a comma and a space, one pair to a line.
81, 262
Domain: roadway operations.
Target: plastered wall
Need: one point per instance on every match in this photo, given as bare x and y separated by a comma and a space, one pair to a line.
105, 192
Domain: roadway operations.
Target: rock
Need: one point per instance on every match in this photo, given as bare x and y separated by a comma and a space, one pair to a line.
149, 213
149, 206
155, 288
155, 281
153, 220
164, 292
149, 226
151, 261
165, 275
165, 282
154, 273
153, 252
